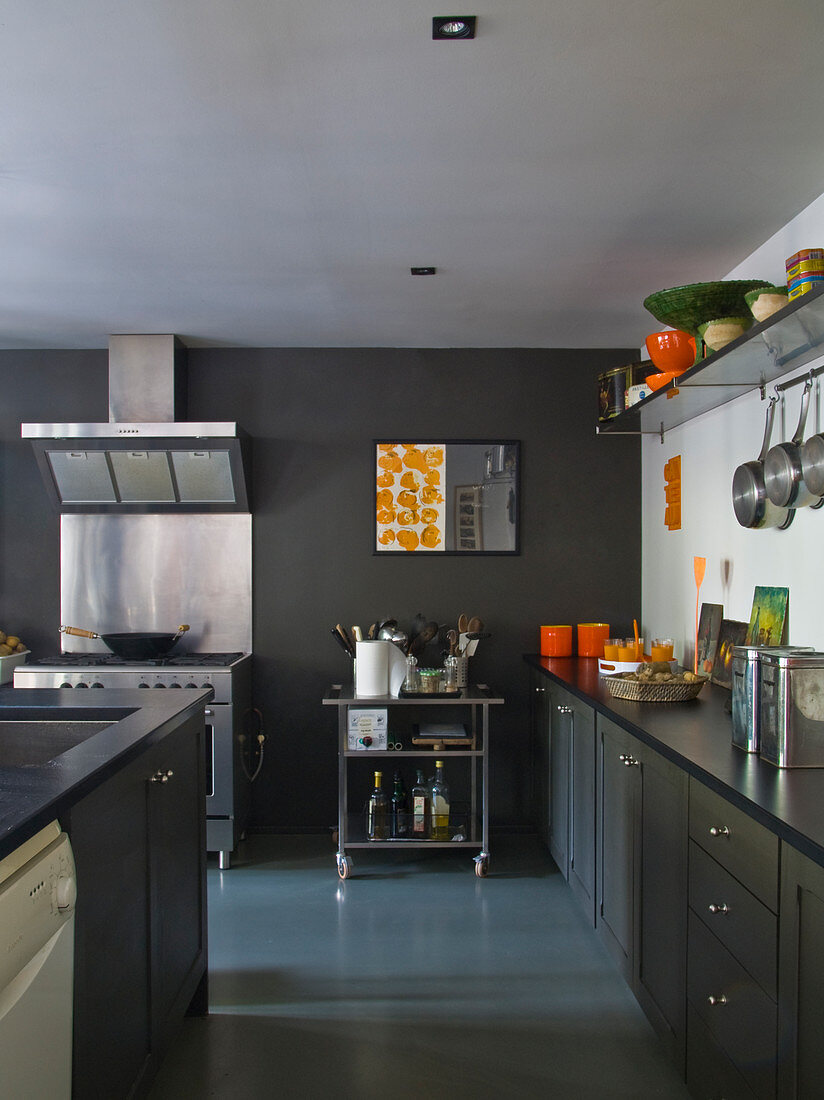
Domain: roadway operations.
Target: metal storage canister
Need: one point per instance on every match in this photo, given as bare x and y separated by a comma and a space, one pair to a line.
613, 386
792, 709
746, 691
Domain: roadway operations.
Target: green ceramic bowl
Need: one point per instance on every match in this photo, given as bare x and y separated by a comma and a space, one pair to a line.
721, 331
687, 307
766, 300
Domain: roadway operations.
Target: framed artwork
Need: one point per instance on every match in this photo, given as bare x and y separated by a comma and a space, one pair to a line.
768, 616
709, 627
458, 496
730, 633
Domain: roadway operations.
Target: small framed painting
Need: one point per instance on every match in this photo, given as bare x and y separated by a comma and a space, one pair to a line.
709, 627
768, 616
453, 496
731, 633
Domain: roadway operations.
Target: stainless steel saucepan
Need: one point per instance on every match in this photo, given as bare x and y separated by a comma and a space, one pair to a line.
783, 478
752, 507
812, 464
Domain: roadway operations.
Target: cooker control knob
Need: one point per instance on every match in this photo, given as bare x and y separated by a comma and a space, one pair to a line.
67, 685
82, 685
142, 685
97, 684
191, 685
174, 685
160, 685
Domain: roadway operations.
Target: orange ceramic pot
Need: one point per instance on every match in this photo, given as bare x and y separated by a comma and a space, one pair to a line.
591, 638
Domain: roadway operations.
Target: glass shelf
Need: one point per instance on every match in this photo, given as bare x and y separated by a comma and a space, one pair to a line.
788, 340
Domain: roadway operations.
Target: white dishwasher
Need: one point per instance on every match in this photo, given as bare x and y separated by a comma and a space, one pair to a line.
37, 898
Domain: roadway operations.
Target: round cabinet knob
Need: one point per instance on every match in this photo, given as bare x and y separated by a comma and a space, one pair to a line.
66, 891
719, 830
714, 1000
722, 907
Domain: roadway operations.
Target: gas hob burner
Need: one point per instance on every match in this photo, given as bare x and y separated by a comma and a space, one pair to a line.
105, 660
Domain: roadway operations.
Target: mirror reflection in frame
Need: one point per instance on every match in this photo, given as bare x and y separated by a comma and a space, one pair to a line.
454, 496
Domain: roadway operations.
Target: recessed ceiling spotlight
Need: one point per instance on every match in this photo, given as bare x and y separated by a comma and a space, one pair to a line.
453, 26
422, 270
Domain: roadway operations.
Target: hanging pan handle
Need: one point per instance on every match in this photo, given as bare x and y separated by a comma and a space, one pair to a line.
765, 446
802, 419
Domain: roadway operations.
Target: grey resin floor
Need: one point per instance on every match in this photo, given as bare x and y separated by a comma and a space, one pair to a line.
414, 978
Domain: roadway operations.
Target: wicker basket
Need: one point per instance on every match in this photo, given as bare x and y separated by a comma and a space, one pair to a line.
687, 307
639, 692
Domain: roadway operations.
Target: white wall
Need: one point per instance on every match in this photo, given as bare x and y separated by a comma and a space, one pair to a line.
711, 447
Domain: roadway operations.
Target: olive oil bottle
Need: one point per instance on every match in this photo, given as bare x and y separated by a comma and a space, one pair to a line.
377, 812
439, 793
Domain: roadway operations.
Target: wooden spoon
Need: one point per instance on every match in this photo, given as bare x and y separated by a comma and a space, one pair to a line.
474, 625
463, 623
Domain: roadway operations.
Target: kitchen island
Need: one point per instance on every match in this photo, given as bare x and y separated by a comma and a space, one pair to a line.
701, 868
130, 790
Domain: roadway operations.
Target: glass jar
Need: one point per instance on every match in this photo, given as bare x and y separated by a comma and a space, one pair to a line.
412, 681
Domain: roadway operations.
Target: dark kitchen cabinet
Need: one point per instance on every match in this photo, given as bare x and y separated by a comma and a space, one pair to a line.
572, 794
140, 935
641, 892
801, 977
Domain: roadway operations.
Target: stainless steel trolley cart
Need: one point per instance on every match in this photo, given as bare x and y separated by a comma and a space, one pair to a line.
475, 827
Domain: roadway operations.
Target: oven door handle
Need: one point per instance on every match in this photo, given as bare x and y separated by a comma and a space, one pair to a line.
209, 713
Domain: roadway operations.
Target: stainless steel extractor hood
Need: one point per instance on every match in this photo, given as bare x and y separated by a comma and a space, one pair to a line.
144, 459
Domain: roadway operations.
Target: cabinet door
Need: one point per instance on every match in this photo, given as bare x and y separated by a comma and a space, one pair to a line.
539, 717
582, 808
661, 878
177, 843
108, 830
618, 778
800, 976
560, 743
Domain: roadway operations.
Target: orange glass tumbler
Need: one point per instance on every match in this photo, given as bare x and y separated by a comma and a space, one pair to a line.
556, 641
591, 638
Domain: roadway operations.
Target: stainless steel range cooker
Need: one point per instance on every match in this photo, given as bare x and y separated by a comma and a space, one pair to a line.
228, 766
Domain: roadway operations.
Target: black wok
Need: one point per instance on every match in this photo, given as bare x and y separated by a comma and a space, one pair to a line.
132, 646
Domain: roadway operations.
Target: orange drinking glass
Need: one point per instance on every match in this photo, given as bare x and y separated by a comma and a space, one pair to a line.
611, 648
627, 652
591, 638
662, 649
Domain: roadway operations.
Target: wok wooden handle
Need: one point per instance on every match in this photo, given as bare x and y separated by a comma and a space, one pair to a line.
80, 633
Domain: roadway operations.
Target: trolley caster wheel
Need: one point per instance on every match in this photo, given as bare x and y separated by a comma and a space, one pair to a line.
344, 867
482, 866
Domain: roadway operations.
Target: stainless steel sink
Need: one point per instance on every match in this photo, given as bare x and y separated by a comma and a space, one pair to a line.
34, 743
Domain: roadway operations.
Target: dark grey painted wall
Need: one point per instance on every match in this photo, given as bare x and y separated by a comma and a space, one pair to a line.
312, 414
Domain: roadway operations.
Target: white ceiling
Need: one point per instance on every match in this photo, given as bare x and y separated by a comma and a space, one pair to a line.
266, 172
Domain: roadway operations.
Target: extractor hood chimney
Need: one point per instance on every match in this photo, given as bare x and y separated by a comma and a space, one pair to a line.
144, 459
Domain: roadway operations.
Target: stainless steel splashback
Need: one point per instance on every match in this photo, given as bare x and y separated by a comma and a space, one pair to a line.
154, 572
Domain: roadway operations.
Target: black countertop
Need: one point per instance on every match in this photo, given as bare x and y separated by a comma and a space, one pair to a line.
697, 736
33, 795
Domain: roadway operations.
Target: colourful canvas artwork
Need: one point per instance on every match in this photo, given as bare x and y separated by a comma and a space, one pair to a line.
768, 616
731, 633
709, 628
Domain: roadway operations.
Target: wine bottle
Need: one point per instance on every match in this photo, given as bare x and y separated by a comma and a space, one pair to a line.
420, 807
398, 822
376, 811
440, 805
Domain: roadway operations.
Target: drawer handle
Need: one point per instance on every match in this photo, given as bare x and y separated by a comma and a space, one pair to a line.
719, 830
564, 710
540, 690
161, 777
722, 908
719, 1000
627, 760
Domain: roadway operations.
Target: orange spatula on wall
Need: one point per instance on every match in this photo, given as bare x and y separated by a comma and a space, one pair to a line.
699, 567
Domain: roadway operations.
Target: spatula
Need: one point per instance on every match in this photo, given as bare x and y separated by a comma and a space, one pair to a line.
699, 567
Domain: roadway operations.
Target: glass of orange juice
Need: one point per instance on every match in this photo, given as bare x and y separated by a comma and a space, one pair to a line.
611, 648
626, 650
662, 649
